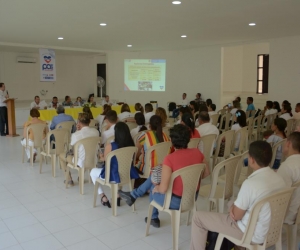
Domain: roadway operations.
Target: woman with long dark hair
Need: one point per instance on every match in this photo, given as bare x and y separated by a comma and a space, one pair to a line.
122, 139
188, 120
140, 121
286, 112
100, 118
276, 106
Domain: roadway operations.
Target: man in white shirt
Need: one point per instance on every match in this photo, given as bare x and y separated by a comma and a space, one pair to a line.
290, 172
3, 110
106, 101
296, 115
212, 109
183, 101
148, 112
254, 188
111, 119
38, 104
269, 109
205, 127
83, 131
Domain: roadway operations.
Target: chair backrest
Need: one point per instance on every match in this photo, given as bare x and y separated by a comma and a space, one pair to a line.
289, 127
94, 124
222, 111
206, 146
190, 177
135, 138
125, 157
250, 126
252, 113
61, 141
278, 203
131, 125
214, 119
248, 114
90, 145
38, 131
161, 149
195, 114
242, 135
67, 124
225, 119
297, 186
104, 126
257, 121
166, 130
229, 166
110, 139
194, 142
240, 166
228, 137
270, 119
275, 147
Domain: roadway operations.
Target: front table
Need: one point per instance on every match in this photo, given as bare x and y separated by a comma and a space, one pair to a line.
48, 114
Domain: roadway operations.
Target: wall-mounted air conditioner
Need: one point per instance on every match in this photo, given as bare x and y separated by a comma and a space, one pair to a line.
26, 60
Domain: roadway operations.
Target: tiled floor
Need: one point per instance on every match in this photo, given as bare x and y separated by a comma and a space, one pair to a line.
37, 212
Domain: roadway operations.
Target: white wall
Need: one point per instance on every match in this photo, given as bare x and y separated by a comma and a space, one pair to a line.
284, 75
76, 76
190, 71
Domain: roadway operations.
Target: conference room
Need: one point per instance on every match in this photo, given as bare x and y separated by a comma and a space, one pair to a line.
89, 54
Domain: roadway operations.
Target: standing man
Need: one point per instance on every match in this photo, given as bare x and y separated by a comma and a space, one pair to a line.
3, 110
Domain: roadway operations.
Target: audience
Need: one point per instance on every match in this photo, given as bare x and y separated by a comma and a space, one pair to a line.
212, 109
79, 101
101, 118
161, 112
205, 127
67, 101
187, 119
182, 157
208, 102
253, 189
297, 112
34, 114
193, 107
238, 99
198, 99
269, 110
111, 119
83, 131
106, 101
240, 122
183, 110
38, 104
54, 103
286, 112
249, 103
122, 140
276, 106
148, 112
290, 172
140, 121
91, 101
139, 108
235, 106
285, 102
278, 128
88, 111
125, 112
61, 117
183, 101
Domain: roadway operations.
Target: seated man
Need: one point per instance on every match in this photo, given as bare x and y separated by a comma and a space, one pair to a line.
38, 104
106, 101
83, 131
54, 103
111, 119
148, 112
67, 101
290, 172
205, 127
212, 109
61, 117
250, 104
254, 188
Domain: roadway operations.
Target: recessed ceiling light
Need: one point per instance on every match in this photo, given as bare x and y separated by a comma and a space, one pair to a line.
129, 45
183, 36
252, 24
103, 24
176, 2
60, 38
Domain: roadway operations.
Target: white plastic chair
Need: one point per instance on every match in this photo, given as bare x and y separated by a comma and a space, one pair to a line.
225, 119
278, 204
190, 177
94, 124
222, 111
166, 130
206, 146
38, 141
195, 115
90, 145
257, 121
194, 142
250, 127
214, 119
217, 194
125, 157
291, 230
161, 150
67, 125
131, 125
289, 127
242, 134
275, 147
61, 143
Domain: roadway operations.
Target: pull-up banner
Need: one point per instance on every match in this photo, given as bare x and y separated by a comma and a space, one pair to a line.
47, 65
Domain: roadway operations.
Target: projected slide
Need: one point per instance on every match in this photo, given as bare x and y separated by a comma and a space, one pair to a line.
145, 74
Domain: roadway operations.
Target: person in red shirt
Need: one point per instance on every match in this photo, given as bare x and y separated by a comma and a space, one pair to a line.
187, 119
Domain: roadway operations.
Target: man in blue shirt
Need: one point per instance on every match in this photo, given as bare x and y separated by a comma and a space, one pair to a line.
61, 117
250, 104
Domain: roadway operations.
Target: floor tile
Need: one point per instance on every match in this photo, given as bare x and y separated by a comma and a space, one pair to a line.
7, 240
13, 211
30, 233
38, 205
59, 224
48, 242
90, 244
48, 214
20, 221
73, 207
11, 202
3, 227
100, 226
86, 216
137, 245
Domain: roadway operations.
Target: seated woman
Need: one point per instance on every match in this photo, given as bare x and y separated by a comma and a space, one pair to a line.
122, 139
161, 112
91, 101
125, 112
286, 112
278, 128
88, 111
79, 101
35, 114
182, 157
139, 108
276, 106
183, 110
240, 122
188, 120
140, 121
101, 118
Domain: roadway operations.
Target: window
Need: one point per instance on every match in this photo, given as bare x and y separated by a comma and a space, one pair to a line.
262, 74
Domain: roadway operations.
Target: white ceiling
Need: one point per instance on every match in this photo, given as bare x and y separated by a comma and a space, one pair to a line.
147, 24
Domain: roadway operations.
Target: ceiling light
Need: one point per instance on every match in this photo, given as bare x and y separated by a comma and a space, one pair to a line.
129, 45
176, 2
103, 24
183, 36
60, 38
252, 24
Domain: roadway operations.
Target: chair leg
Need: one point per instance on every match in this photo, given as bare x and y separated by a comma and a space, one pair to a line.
41, 163
189, 214
31, 156
220, 206
149, 219
278, 244
53, 164
175, 217
131, 185
95, 192
114, 195
67, 175
291, 231
219, 242
23, 152
81, 179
